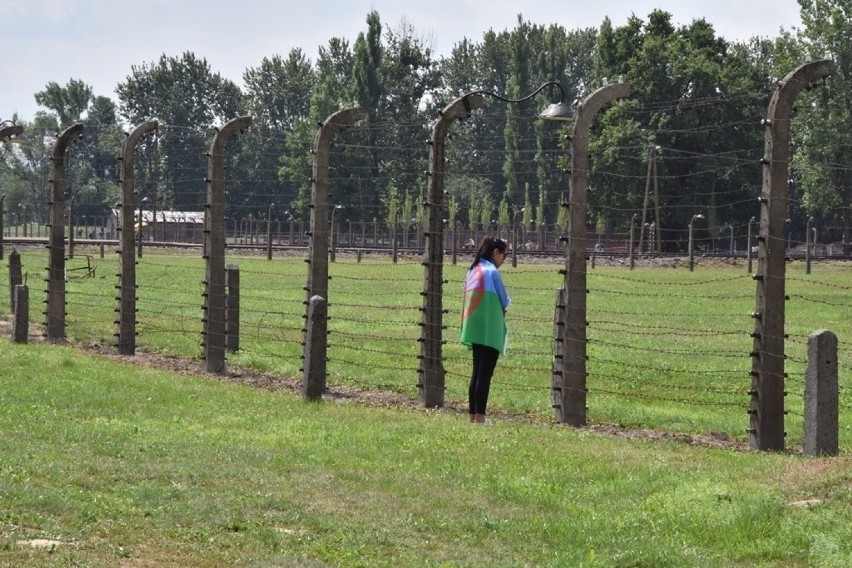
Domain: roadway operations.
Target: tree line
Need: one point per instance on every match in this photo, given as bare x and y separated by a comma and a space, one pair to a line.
694, 111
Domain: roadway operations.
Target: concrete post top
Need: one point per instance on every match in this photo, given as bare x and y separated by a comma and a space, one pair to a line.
823, 333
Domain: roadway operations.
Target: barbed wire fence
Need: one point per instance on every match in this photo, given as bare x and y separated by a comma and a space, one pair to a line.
665, 364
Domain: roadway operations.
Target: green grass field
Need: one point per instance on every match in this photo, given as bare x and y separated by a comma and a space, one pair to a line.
668, 348
108, 464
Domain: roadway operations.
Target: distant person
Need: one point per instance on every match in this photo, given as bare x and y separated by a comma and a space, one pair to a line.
483, 328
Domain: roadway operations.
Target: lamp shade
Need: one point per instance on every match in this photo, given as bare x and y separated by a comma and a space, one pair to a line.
11, 133
558, 111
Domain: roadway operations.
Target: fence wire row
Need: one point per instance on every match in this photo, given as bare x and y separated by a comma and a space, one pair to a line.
664, 344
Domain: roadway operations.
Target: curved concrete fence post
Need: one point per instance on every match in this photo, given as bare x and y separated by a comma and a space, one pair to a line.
569, 378
6, 133
55, 312
126, 299
431, 385
316, 344
214, 247
766, 410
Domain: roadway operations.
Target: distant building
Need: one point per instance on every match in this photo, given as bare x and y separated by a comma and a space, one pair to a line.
171, 226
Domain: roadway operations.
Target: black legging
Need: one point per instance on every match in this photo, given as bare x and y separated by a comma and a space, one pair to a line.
484, 361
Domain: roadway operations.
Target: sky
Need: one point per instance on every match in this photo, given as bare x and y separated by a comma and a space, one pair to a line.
97, 41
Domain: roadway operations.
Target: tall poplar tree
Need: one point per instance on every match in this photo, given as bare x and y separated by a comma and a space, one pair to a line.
368, 90
278, 97
331, 91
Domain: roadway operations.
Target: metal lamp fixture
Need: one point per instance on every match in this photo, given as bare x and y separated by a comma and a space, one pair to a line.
560, 111
11, 133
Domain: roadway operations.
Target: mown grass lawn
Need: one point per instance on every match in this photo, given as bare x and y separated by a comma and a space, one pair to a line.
668, 348
125, 466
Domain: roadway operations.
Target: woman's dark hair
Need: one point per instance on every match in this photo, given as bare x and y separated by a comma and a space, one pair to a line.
487, 248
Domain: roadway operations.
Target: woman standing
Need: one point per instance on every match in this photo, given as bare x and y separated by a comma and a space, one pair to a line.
483, 328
